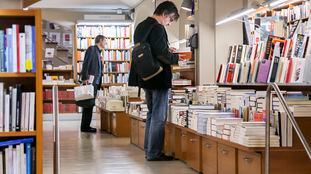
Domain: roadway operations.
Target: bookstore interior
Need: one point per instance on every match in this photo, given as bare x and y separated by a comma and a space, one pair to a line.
239, 103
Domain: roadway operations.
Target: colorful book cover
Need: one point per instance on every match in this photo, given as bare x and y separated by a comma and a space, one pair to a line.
230, 73
33, 34
263, 71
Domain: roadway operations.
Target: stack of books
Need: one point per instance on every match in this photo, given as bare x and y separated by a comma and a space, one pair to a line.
17, 109
194, 111
218, 126
178, 115
252, 134
178, 96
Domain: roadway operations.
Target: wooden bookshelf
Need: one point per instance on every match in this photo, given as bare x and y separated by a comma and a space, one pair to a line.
61, 86
57, 71
81, 38
28, 17
17, 75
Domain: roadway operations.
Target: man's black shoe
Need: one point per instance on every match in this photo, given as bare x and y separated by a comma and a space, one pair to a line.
162, 158
90, 130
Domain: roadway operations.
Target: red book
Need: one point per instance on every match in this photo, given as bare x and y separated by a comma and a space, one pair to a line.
230, 73
258, 116
289, 71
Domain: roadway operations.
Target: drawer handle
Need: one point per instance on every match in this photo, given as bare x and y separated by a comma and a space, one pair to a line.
224, 152
248, 160
208, 145
192, 140
183, 135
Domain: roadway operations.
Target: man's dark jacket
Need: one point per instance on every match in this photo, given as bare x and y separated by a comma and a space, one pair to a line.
92, 65
160, 50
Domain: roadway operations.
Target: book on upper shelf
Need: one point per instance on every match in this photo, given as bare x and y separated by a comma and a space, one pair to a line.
17, 49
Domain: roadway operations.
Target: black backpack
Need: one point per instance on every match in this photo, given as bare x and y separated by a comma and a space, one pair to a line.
146, 66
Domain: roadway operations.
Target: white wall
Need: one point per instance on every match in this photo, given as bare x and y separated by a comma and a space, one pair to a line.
10, 4
147, 8
229, 33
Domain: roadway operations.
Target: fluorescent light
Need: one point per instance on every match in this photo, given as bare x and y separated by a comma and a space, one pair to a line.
25, 9
276, 3
232, 17
186, 5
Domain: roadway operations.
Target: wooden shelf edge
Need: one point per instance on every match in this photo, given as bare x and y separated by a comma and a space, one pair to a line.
137, 118
58, 70
18, 134
8, 75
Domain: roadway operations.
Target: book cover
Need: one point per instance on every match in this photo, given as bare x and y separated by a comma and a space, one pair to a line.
229, 54
32, 111
284, 71
236, 73
33, 40
307, 71
18, 107
263, 71
9, 50
234, 52
239, 54
28, 158
289, 71
13, 109
7, 113
2, 49
14, 46
298, 49
230, 73
279, 69
299, 70
1, 106
22, 52
28, 37
219, 73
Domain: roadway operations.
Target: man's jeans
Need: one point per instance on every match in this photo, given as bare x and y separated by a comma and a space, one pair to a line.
157, 101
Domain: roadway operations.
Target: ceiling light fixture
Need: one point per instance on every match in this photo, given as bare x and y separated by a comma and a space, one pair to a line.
236, 15
186, 5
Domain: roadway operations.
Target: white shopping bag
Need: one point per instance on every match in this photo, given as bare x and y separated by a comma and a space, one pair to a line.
84, 92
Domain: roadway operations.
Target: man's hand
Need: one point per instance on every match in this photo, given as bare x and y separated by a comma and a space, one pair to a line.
172, 49
85, 82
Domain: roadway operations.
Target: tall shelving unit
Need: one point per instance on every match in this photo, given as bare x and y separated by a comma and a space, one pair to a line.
31, 81
116, 57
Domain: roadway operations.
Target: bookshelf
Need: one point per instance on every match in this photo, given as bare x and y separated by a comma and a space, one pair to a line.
184, 74
116, 57
30, 81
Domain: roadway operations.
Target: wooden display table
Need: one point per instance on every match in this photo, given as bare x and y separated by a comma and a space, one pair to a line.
211, 155
115, 122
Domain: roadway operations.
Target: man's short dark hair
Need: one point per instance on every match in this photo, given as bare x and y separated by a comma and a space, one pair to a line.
98, 38
167, 8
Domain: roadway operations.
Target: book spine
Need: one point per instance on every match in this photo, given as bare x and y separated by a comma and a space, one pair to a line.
28, 158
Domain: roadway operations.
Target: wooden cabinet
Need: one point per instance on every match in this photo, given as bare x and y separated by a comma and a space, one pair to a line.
116, 123
226, 160
194, 151
177, 144
249, 162
141, 134
134, 131
209, 156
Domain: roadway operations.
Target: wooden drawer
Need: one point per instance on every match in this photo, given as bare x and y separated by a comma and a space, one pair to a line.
141, 138
249, 163
209, 156
184, 144
169, 140
227, 163
194, 151
134, 131
103, 120
177, 144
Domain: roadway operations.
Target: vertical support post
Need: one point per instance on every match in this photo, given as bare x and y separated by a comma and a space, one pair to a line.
56, 160
267, 143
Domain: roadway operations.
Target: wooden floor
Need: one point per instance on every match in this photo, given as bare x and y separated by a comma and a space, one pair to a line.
100, 153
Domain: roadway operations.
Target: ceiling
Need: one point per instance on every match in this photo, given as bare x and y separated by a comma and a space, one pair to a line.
87, 4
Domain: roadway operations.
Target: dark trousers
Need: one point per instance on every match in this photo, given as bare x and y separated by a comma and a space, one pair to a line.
86, 117
88, 112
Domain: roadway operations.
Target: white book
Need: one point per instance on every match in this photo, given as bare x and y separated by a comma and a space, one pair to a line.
284, 71
23, 111
32, 112
9, 160
22, 52
236, 73
14, 47
279, 71
294, 68
27, 111
1, 162
14, 161
307, 71
18, 159
23, 160
13, 109
7, 114
300, 69
1, 107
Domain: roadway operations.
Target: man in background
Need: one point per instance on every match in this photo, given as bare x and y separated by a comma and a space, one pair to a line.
92, 74
157, 88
